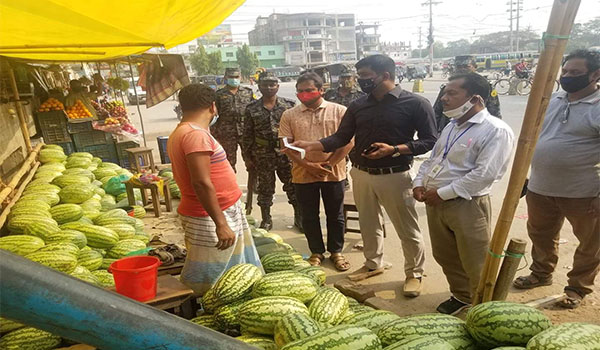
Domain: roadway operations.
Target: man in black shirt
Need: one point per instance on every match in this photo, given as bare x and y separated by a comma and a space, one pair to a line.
384, 124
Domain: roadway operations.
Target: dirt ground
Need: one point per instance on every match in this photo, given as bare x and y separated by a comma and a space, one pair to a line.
388, 286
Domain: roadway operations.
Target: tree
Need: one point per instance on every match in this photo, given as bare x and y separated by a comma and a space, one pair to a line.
215, 65
247, 60
199, 61
584, 35
500, 41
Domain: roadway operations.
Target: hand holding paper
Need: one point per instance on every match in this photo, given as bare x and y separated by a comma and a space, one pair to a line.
293, 148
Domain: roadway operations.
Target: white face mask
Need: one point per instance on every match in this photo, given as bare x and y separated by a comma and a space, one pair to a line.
213, 120
457, 113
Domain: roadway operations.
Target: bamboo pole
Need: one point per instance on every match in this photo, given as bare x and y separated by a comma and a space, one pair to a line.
20, 112
6, 191
510, 264
559, 26
17, 195
137, 100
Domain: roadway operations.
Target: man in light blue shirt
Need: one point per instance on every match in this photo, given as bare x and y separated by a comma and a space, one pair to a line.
565, 180
472, 152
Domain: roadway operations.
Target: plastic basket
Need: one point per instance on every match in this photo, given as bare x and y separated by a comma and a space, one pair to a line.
53, 126
91, 138
124, 156
68, 147
106, 152
162, 149
80, 125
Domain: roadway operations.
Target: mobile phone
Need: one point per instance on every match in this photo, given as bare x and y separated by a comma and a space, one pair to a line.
370, 149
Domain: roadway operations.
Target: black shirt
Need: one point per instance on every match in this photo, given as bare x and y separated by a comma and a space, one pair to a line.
393, 120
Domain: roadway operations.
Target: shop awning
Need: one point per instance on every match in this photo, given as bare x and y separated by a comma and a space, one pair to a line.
84, 30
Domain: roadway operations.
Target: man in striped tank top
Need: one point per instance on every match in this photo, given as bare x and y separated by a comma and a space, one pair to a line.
217, 235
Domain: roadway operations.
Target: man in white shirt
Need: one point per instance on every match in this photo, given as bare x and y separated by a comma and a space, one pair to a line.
471, 153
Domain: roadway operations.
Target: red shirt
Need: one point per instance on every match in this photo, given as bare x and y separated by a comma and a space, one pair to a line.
189, 138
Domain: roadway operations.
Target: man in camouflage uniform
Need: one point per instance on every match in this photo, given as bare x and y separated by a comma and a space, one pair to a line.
465, 64
231, 104
261, 147
346, 91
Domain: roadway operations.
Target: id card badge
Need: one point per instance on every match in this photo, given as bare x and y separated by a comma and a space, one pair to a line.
435, 171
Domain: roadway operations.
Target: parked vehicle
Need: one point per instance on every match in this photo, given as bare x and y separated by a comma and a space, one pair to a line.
131, 94
415, 72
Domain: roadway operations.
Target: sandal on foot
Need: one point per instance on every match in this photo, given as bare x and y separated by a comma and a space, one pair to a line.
531, 281
340, 262
572, 301
316, 259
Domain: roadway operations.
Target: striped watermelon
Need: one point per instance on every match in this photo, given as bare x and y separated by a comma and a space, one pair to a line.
41, 187
66, 212
64, 262
286, 283
52, 166
47, 174
41, 228
277, 238
274, 262
85, 155
260, 315
29, 338
49, 197
567, 336
91, 205
139, 212
73, 236
206, 321
315, 272
510, 348
104, 172
66, 180
226, 316
210, 302
85, 220
97, 236
329, 306
236, 282
421, 343
372, 320
259, 342
80, 172
139, 224
21, 244
105, 278
294, 327
86, 276
7, 325
499, 323
343, 337
32, 203
115, 220
123, 230
78, 162
17, 224
106, 263
125, 247
449, 328
28, 211
76, 193
90, 259
64, 247
49, 155
142, 237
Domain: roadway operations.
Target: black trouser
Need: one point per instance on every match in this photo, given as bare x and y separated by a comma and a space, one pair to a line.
333, 200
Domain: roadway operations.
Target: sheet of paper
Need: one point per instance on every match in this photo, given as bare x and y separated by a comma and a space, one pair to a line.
297, 149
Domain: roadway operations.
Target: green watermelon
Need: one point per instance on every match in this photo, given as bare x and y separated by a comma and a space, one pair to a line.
206, 321
41, 228
90, 259
64, 262
49, 197
29, 338
421, 343
372, 320
123, 230
50, 155
66, 180
260, 315
18, 224
97, 236
258, 341
21, 244
105, 278
124, 247
226, 316
286, 283
329, 306
315, 272
64, 247
236, 282
343, 337
274, 262
7, 325
73, 236
565, 336
210, 302
66, 212
294, 327
76, 193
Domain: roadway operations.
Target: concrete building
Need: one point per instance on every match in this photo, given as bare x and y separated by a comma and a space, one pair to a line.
309, 39
398, 51
269, 56
367, 40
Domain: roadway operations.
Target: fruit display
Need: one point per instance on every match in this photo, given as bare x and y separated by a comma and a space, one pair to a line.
116, 109
78, 111
101, 112
51, 104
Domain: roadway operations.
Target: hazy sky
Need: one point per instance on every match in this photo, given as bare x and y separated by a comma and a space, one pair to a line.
400, 19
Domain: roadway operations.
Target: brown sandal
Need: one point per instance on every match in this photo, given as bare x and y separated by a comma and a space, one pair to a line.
531, 281
316, 259
572, 301
340, 262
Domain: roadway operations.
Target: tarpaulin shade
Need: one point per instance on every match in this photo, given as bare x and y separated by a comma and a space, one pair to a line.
84, 30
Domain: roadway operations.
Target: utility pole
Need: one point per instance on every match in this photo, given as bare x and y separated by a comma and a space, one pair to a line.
510, 10
420, 44
430, 40
518, 16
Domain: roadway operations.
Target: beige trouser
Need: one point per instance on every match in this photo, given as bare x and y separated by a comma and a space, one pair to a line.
460, 234
394, 193
546, 218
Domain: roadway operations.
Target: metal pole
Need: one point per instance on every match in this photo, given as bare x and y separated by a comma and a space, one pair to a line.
63, 305
518, 15
137, 100
19, 108
431, 36
120, 92
511, 25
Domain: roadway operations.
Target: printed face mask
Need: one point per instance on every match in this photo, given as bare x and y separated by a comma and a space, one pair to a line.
456, 113
367, 85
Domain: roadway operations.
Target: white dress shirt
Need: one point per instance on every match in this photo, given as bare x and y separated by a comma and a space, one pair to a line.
468, 158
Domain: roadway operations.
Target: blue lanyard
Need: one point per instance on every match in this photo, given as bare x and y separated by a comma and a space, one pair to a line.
450, 144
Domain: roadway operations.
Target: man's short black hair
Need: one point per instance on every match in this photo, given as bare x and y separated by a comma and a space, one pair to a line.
310, 76
379, 64
592, 58
474, 83
196, 96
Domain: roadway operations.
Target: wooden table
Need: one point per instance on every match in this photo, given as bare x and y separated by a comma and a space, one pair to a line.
173, 269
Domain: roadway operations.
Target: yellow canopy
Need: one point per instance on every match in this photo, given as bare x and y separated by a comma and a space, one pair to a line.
86, 30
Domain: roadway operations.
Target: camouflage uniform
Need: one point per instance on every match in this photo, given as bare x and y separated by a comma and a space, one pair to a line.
491, 103
261, 144
229, 128
333, 95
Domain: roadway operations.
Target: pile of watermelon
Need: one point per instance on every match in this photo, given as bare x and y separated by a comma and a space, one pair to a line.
173, 188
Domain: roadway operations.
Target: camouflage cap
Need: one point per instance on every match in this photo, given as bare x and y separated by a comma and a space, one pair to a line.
267, 76
232, 70
464, 60
347, 72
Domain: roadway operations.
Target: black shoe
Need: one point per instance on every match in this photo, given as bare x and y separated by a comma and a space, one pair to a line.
452, 306
298, 218
267, 222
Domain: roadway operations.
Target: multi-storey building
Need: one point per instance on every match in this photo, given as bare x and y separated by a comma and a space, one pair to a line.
367, 40
309, 39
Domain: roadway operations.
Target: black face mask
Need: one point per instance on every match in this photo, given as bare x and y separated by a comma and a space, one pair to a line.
367, 85
574, 84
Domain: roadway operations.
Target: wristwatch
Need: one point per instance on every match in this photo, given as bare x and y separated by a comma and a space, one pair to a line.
396, 152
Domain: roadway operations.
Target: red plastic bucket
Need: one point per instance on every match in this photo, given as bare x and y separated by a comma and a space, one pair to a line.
136, 276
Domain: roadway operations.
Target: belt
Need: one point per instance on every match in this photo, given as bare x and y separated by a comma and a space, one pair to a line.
383, 171
266, 143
